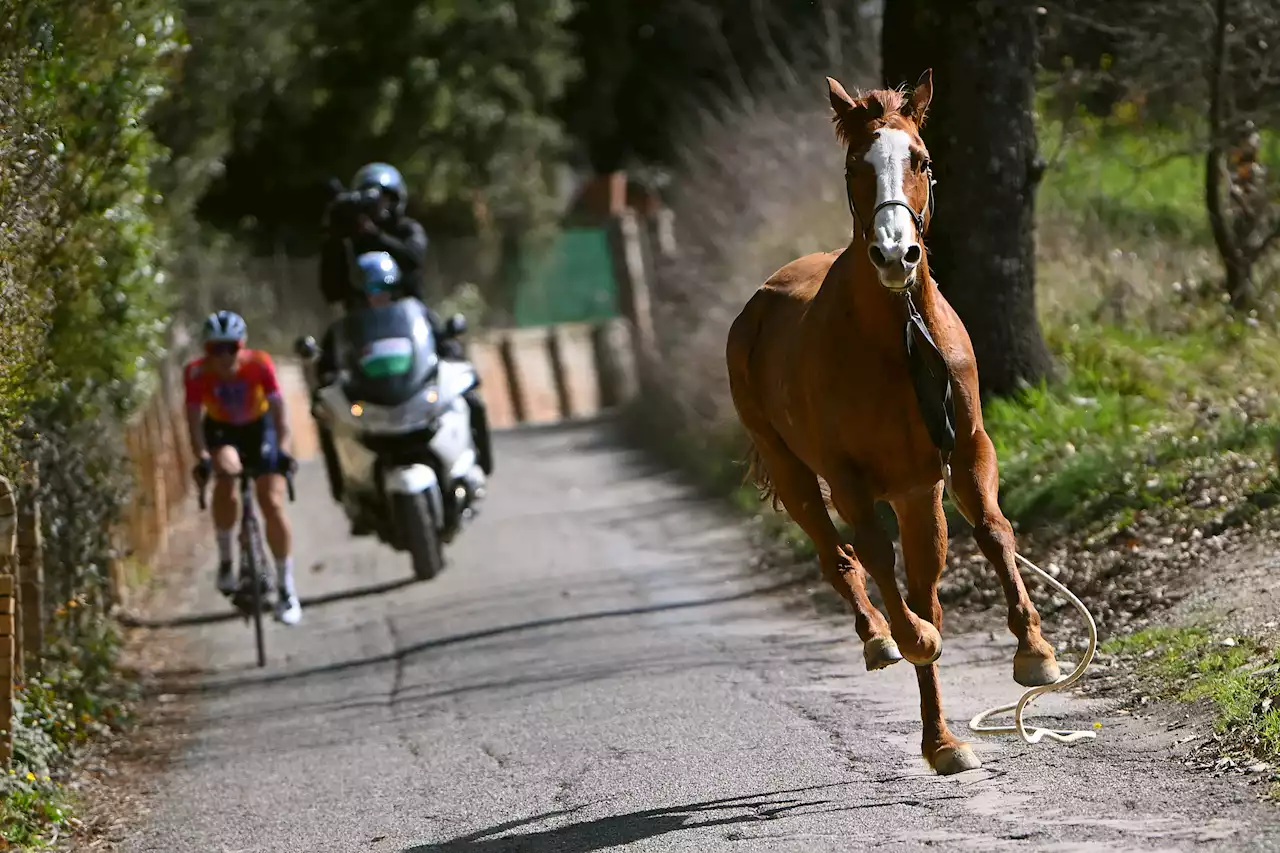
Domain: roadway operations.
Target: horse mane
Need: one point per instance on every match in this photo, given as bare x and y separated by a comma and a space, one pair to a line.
881, 103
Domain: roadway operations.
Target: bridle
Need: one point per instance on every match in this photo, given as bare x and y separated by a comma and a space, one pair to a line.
930, 373
918, 217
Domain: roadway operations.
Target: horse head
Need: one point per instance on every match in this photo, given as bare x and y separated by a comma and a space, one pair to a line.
887, 172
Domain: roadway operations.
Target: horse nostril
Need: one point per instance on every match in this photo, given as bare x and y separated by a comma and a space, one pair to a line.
912, 256
877, 256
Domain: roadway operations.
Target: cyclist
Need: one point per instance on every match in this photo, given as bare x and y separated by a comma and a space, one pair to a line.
236, 417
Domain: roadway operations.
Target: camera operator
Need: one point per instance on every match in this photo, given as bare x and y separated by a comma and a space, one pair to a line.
370, 217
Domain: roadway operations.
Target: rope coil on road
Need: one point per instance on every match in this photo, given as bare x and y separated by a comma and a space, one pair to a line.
1018, 727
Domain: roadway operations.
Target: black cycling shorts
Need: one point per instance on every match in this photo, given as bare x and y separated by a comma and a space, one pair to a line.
256, 442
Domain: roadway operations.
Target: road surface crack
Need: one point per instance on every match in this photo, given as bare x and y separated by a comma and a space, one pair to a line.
397, 680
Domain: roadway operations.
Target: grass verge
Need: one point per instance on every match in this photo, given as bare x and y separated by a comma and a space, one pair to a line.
1237, 677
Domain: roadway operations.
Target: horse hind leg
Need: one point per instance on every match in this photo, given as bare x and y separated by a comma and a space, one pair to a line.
975, 485
918, 640
782, 477
923, 527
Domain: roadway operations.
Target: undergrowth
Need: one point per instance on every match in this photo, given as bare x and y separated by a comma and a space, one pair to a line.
1238, 676
78, 696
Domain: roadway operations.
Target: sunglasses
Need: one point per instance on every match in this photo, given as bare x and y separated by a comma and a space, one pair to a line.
222, 348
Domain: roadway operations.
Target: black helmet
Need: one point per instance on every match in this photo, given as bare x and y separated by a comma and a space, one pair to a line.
385, 177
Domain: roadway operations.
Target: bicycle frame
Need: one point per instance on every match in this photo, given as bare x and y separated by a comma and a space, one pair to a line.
252, 551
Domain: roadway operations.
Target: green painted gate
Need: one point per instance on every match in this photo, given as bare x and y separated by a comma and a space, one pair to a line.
573, 281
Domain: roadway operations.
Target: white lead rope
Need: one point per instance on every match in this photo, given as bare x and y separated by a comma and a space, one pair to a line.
1018, 727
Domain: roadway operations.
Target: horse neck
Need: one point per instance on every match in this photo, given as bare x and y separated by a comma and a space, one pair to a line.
860, 294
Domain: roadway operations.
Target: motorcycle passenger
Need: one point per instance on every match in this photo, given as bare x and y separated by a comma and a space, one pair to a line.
236, 417
382, 284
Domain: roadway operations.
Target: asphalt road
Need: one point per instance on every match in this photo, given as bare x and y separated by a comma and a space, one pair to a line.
600, 669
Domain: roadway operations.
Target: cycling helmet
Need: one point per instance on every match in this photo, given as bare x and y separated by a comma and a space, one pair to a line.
224, 326
378, 272
385, 177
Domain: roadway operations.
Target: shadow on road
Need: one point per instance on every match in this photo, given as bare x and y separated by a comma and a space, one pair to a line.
230, 614
472, 636
616, 830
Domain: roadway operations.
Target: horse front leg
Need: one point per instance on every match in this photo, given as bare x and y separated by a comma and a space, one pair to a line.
923, 527
975, 483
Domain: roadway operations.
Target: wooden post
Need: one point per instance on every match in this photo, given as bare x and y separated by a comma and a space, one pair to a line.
7, 669
30, 574
615, 362
495, 381
577, 379
626, 245
662, 233
528, 358
8, 630
159, 477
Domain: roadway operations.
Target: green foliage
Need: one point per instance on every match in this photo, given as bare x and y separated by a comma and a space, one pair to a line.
1240, 679
101, 69
1131, 420
238, 56
457, 95
1135, 179
77, 696
28, 207
646, 66
83, 248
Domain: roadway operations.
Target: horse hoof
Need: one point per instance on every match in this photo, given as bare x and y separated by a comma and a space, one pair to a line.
1035, 671
880, 652
951, 760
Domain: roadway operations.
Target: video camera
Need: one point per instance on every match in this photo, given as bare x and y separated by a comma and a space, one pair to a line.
346, 206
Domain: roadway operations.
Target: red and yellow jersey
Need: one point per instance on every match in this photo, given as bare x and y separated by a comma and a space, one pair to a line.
242, 398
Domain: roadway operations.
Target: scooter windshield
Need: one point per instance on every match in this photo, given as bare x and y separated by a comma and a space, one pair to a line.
389, 352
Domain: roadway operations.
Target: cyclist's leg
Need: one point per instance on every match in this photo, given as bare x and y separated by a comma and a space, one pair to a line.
219, 438
271, 498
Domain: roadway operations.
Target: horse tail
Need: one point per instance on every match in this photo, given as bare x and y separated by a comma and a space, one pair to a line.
758, 475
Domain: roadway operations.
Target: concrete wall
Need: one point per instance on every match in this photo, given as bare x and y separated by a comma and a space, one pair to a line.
548, 374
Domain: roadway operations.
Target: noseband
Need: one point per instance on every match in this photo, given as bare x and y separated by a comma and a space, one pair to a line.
916, 217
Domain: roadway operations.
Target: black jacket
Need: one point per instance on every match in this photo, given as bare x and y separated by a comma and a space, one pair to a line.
404, 239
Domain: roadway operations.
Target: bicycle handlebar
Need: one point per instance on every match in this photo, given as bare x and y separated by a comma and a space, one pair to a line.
244, 477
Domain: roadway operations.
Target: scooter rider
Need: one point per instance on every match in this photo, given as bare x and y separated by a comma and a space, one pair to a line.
382, 283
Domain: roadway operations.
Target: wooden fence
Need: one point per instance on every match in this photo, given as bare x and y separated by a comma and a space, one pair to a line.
161, 460
547, 374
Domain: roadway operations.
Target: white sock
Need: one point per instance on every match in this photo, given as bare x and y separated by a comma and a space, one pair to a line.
284, 575
225, 539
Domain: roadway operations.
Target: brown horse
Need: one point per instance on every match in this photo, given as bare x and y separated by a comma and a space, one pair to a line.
827, 387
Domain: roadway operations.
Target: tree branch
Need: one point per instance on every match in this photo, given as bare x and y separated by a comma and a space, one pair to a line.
1267, 241
1213, 166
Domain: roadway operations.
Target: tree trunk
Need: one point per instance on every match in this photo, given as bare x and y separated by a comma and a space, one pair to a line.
1238, 267
980, 132
1239, 284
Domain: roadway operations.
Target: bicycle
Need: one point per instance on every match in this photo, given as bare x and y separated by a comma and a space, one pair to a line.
253, 555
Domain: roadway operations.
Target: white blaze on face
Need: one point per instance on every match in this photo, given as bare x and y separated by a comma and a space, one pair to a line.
889, 155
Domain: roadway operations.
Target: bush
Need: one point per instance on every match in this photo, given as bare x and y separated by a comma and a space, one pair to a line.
84, 300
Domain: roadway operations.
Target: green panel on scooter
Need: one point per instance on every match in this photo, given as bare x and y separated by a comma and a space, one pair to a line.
387, 357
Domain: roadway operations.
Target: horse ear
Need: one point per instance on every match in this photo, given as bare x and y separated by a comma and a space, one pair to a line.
844, 106
918, 107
